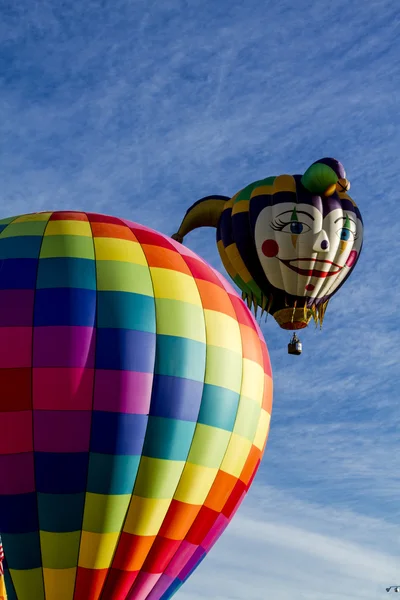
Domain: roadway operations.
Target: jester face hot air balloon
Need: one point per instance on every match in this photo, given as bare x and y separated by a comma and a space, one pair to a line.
134, 409
288, 242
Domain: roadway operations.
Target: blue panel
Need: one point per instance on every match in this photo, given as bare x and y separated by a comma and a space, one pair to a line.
18, 273
117, 433
173, 588
20, 247
176, 398
67, 273
18, 513
112, 473
218, 407
65, 306
180, 357
169, 439
23, 550
61, 473
124, 310
61, 512
125, 349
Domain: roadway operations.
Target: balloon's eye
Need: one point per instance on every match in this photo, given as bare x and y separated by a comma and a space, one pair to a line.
293, 227
345, 234
296, 227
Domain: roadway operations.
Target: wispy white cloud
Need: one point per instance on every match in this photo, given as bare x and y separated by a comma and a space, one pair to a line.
281, 548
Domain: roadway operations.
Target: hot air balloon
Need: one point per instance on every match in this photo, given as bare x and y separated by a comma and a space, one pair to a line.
135, 404
288, 242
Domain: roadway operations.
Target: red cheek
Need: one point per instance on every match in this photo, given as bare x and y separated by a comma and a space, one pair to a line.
270, 248
352, 258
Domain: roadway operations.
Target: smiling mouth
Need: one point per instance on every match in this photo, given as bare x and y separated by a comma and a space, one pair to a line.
312, 272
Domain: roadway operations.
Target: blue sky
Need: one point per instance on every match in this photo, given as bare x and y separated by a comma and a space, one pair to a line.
138, 108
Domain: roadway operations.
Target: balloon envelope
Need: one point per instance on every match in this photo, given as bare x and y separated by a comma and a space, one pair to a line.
135, 404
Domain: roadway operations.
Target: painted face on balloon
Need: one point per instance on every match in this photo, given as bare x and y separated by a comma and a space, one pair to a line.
303, 252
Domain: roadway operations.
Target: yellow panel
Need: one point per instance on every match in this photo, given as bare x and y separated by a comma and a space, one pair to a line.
174, 285
237, 261
34, 217
236, 455
195, 483
145, 516
252, 381
241, 206
262, 429
229, 203
222, 331
97, 549
225, 260
262, 190
284, 183
69, 228
59, 584
121, 250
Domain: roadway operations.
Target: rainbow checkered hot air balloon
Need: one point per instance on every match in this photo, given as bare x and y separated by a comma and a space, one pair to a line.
135, 405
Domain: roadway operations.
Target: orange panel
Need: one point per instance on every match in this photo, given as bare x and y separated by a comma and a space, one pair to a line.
164, 258
267, 397
215, 298
178, 520
132, 551
219, 493
251, 346
110, 230
251, 464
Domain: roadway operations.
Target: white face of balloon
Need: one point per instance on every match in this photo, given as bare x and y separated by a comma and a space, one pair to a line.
303, 253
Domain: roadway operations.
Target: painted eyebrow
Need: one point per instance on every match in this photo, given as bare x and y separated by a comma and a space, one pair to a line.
344, 218
299, 212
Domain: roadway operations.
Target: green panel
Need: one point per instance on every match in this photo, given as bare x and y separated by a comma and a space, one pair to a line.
74, 246
181, 319
224, 368
60, 550
158, 478
105, 514
28, 584
209, 446
247, 418
25, 228
113, 275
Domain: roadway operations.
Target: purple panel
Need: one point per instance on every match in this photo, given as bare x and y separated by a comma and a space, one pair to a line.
64, 346
17, 473
161, 587
123, 391
61, 431
16, 308
192, 562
